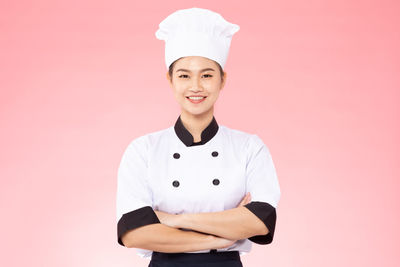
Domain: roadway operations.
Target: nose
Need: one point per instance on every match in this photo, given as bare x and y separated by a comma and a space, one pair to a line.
196, 85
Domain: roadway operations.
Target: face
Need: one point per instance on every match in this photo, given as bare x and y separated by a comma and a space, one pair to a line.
196, 83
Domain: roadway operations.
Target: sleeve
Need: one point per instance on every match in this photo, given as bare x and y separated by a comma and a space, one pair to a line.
134, 198
263, 185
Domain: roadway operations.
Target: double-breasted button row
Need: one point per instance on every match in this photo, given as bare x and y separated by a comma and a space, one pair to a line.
177, 155
176, 182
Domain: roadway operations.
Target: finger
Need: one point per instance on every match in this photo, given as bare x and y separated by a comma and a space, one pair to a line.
244, 200
248, 199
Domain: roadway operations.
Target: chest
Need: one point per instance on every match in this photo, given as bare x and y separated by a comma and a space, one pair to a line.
197, 179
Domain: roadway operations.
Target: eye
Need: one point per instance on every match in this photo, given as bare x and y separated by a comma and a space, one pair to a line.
207, 75
183, 76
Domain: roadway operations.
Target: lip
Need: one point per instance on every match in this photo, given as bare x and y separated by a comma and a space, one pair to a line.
196, 101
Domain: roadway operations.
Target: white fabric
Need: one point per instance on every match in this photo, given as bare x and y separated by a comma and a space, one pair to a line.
148, 169
196, 32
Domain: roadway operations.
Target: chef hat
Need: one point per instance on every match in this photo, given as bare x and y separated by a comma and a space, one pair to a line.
196, 32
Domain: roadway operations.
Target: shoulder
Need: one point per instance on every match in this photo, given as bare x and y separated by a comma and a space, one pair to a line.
248, 144
245, 138
144, 142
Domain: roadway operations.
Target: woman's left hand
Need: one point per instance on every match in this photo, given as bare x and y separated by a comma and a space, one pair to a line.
168, 218
246, 199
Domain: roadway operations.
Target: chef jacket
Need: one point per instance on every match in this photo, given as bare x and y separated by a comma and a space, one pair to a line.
166, 171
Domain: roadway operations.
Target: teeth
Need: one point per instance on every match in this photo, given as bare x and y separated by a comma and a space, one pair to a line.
196, 97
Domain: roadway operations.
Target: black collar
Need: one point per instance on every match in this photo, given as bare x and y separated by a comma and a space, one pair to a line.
186, 137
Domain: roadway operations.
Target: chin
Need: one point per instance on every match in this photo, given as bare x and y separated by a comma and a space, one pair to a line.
196, 112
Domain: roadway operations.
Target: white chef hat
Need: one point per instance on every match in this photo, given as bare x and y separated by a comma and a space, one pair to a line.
196, 32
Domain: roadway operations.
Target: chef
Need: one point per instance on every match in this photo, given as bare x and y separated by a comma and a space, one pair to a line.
197, 193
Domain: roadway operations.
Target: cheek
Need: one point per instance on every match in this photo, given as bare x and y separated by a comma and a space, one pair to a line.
179, 94
178, 89
216, 90
215, 96
215, 85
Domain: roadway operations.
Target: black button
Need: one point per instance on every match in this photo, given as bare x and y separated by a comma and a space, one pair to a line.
175, 183
214, 154
176, 155
216, 182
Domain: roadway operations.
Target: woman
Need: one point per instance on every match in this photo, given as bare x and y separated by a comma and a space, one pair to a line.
197, 193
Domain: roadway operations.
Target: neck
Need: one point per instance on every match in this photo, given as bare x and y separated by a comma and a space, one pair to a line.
195, 124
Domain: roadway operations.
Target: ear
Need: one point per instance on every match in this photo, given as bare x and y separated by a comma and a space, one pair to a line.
169, 79
223, 80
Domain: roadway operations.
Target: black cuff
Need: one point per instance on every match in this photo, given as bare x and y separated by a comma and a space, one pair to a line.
134, 219
267, 214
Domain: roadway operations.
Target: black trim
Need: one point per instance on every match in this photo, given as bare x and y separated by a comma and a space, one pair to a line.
186, 137
226, 258
267, 214
136, 218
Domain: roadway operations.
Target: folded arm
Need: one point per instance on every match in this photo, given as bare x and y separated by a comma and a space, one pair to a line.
163, 238
237, 223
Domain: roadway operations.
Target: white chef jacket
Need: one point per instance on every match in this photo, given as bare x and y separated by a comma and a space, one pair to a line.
166, 171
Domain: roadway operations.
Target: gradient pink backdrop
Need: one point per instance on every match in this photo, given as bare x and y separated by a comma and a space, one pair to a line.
318, 81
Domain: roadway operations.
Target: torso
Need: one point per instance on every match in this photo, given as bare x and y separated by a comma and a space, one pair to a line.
203, 178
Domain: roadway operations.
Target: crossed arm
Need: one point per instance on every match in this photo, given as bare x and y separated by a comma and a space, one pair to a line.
211, 230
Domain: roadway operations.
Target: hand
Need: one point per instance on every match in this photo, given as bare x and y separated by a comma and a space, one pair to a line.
246, 199
168, 218
223, 242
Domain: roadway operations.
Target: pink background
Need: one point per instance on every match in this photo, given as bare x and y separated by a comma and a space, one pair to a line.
318, 81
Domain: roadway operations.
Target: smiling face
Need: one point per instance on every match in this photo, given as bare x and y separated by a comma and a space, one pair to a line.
196, 82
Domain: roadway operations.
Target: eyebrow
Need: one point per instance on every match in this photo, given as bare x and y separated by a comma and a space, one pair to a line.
206, 69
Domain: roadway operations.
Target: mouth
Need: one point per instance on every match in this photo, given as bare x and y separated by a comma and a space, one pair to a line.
196, 99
